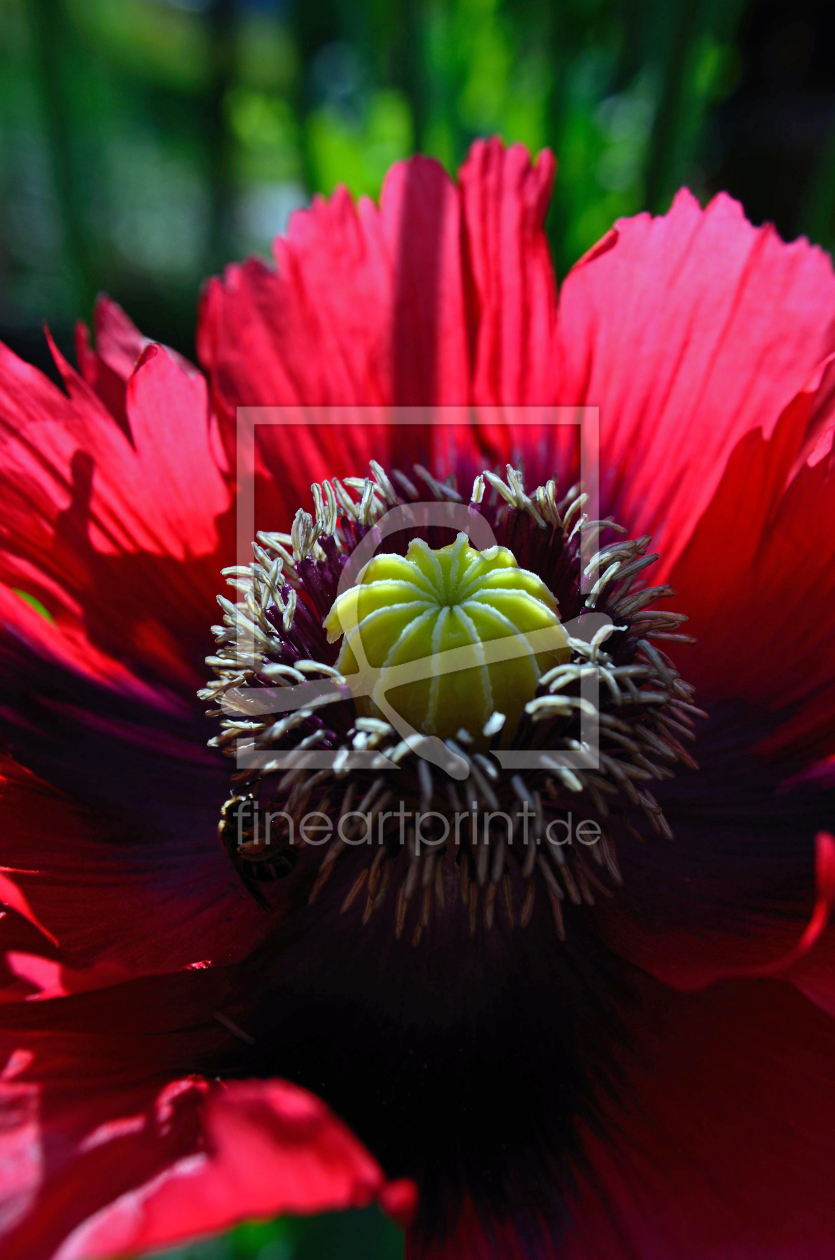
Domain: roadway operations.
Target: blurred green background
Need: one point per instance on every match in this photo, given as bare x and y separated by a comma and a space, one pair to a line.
144, 143
364, 1235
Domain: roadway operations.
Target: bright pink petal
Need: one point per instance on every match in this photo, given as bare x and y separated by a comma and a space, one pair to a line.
513, 288
121, 540
109, 365
442, 295
366, 308
119, 343
687, 331
757, 581
85, 512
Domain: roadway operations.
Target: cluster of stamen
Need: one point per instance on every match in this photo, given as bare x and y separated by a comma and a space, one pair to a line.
489, 835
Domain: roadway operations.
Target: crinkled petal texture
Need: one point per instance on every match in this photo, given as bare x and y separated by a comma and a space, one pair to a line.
443, 295
108, 365
688, 332
706, 344
116, 534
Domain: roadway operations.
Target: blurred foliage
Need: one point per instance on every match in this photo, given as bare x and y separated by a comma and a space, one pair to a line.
340, 1236
145, 143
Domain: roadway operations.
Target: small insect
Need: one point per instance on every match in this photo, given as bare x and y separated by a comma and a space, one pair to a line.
257, 858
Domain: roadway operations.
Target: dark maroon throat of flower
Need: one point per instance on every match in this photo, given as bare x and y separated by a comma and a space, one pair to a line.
547, 756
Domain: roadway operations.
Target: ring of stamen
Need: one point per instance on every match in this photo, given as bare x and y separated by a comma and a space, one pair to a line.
501, 849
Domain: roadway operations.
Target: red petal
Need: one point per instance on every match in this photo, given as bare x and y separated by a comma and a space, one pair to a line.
104, 1172
717, 1140
439, 296
724, 1143
93, 878
687, 332
108, 367
267, 1147
724, 931
825, 878
66, 648
481, 1237
514, 300
366, 308
110, 1144
814, 970
15, 899
119, 343
84, 512
758, 579
121, 542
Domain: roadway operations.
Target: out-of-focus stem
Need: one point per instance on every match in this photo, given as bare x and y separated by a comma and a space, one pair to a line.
221, 23
48, 25
412, 69
818, 210
663, 145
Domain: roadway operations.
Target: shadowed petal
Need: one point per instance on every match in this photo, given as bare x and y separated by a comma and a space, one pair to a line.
719, 1143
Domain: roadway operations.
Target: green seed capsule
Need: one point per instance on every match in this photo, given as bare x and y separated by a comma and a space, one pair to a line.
407, 613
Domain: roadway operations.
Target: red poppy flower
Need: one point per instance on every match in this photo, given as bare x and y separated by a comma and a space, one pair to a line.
625, 1050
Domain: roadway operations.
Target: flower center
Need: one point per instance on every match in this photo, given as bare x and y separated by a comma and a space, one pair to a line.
407, 614
560, 729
